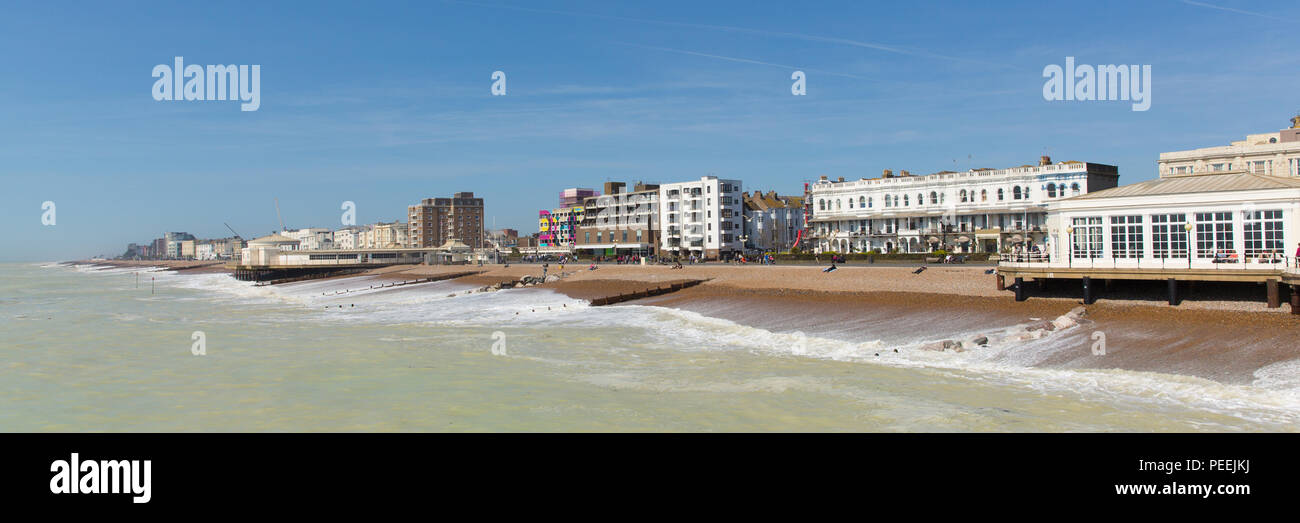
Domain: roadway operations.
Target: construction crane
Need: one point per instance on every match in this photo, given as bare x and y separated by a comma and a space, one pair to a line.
232, 230
277, 214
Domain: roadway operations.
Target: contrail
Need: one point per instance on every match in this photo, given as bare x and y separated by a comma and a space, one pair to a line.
741, 60
744, 30
1235, 10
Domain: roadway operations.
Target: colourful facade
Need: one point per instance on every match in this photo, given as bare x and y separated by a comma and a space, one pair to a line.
555, 227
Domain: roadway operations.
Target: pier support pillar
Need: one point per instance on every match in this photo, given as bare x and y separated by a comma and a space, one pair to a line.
1002, 282
1295, 300
1087, 291
1274, 299
1020, 289
1173, 291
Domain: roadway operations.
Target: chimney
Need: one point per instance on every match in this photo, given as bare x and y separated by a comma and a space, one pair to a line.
841, 178
904, 173
1295, 122
887, 174
1044, 160
823, 178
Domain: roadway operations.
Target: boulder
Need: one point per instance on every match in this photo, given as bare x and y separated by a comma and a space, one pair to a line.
980, 340
936, 346
1064, 322
519, 285
1077, 312
552, 278
955, 346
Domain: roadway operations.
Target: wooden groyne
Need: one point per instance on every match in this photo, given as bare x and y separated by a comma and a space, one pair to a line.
663, 288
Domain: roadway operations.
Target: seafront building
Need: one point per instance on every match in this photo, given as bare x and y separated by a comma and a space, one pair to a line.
620, 222
172, 241
556, 227
1227, 214
979, 210
1274, 154
701, 218
772, 222
436, 221
312, 238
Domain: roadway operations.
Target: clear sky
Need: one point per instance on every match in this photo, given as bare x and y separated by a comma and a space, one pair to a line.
385, 103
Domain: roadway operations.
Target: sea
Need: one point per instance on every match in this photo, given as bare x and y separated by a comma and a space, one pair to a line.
87, 348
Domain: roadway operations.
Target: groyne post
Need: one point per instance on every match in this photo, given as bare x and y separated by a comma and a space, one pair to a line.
1087, 291
1020, 289
1173, 291
1274, 298
1295, 300
1002, 282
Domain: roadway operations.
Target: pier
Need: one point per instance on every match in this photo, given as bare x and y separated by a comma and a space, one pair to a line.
1277, 275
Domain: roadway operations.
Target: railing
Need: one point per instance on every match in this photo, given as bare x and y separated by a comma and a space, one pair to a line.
1175, 260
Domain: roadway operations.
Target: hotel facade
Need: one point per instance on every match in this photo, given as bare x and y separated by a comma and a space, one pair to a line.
980, 210
1273, 154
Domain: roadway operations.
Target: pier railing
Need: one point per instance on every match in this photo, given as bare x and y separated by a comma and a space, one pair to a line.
1226, 262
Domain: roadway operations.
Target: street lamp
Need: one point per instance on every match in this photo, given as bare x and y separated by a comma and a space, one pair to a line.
1188, 227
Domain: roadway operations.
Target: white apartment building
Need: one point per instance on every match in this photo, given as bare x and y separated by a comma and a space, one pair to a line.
980, 210
701, 218
1273, 154
312, 239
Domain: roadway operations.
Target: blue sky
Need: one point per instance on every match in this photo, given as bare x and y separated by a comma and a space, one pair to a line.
386, 103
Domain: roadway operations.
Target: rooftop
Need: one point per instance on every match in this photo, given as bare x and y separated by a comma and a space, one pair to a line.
1196, 183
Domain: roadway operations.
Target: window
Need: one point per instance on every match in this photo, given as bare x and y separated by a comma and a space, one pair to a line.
838, 204
599, 235
984, 195
920, 199
1126, 236
1168, 236
850, 203
1025, 193
1220, 166
962, 195
862, 201
1074, 188
1087, 239
821, 205
1213, 233
1259, 167
934, 198
588, 240
1051, 190
868, 203
1015, 193
1000, 195
905, 200
1263, 233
